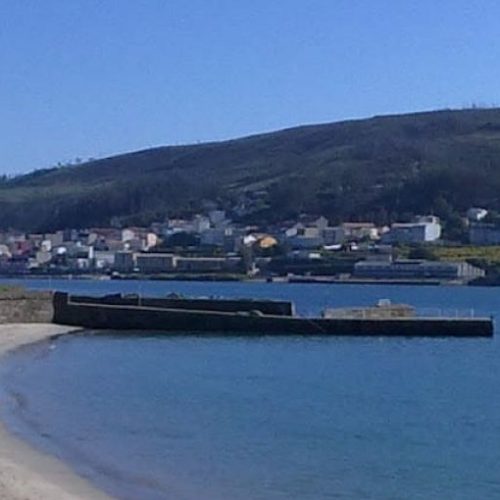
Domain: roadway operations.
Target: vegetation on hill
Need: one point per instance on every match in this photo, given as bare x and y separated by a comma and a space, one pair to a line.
382, 169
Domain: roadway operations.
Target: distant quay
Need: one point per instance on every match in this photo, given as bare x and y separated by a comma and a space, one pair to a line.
293, 279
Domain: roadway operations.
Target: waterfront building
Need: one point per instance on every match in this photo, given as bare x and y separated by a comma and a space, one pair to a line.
156, 262
208, 264
424, 229
416, 269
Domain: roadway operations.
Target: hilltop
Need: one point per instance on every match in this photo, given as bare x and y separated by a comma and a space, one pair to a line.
382, 169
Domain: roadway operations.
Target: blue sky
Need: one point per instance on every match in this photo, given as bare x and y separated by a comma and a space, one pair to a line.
90, 78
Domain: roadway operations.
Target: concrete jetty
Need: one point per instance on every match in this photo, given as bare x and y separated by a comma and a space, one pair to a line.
234, 318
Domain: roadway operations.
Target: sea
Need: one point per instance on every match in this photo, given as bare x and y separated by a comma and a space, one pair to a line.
193, 417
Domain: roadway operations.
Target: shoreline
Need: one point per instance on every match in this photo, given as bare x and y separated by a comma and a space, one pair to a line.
25, 472
291, 280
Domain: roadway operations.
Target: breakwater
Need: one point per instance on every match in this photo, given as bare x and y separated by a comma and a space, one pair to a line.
274, 307
121, 316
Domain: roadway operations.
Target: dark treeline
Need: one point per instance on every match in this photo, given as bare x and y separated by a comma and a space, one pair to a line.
381, 169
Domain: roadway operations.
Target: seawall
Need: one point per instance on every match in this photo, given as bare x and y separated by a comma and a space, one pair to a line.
274, 307
143, 318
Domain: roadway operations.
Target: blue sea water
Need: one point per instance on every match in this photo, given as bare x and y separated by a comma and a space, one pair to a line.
268, 418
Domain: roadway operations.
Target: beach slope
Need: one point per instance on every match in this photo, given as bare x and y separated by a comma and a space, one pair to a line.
25, 473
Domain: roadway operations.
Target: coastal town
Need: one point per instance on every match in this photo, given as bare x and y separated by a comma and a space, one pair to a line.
212, 246
249, 250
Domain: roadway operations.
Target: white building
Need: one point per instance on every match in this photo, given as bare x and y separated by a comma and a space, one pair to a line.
200, 223
151, 240
128, 235
43, 257
476, 214
423, 230
46, 246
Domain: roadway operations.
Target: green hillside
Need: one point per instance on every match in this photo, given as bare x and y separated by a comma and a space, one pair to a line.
381, 168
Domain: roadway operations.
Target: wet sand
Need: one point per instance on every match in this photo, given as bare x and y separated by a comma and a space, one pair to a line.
25, 473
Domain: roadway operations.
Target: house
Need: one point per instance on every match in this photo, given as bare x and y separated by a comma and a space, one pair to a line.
264, 241
200, 223
228, 238
99, 237
135, 244
151, 240
4, 251
69, 235
115, 245
81, 264
356, 231
75, 256
43, 257
424, 229
217, 218
178, 226
56, 238
333, 235
301, 236
103, 259
129, 234
213, 237
312, 221
46, 245
476, 214
78, 251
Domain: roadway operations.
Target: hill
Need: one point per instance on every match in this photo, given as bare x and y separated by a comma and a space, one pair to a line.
383, 168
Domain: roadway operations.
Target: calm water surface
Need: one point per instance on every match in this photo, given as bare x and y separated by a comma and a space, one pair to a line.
269, 418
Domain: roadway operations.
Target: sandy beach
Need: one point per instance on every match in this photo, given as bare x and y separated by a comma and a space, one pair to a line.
25, 473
